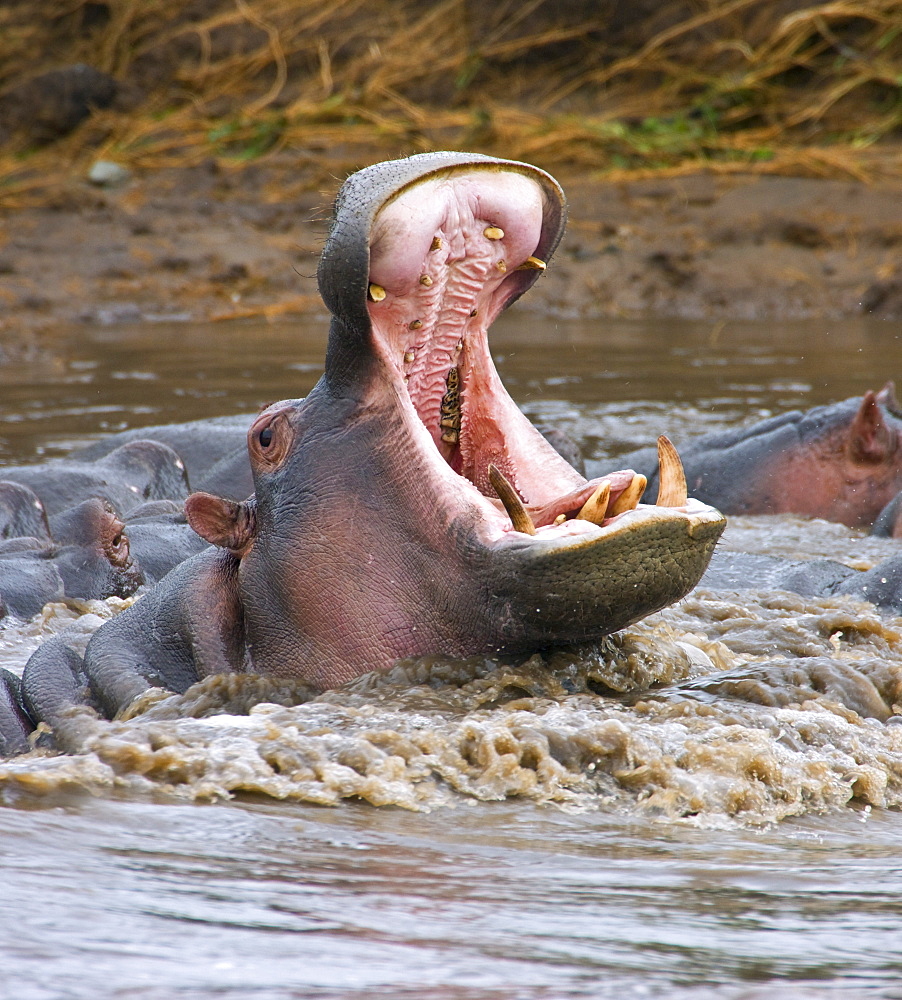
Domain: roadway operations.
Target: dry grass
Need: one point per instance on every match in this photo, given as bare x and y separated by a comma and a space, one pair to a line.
765, 85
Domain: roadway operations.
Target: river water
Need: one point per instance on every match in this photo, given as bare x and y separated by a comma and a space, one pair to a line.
615, 821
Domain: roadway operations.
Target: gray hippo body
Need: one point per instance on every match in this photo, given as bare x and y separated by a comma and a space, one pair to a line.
127, 476
85, 555
841, 462
407, 506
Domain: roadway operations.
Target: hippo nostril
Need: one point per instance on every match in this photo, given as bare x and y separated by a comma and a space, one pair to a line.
265, 437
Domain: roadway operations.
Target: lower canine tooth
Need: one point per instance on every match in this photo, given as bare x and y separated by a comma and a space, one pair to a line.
672, 490
512, 503
376, 293
629, 497
532, 264
595, 508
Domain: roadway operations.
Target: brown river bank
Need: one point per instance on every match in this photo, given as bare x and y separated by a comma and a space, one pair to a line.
211, 242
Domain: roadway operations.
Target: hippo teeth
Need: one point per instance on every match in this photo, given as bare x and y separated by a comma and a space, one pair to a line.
596, 507
520, 519
672, 490
630, 497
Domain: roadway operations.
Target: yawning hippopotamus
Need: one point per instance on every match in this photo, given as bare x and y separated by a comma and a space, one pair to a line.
406, 506
841, 462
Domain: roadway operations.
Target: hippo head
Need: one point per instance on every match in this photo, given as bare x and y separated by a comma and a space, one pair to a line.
92, 552
407, 506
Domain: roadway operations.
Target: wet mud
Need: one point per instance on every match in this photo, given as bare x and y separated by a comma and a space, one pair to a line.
210, 242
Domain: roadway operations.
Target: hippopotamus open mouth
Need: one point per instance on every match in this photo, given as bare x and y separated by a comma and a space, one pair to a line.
407, 506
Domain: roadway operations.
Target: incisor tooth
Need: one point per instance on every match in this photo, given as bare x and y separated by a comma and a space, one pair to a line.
532, 264
493, 233
672, 490
595, 508
376, 293
512, 503
629, 497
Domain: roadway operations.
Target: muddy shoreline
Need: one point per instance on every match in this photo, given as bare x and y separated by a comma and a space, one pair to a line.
211, 242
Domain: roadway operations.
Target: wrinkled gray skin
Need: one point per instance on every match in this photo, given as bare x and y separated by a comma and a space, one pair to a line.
22, 514
88, 557
881, 585
15, 723
214, 452
137, 471
160, 537
361, 545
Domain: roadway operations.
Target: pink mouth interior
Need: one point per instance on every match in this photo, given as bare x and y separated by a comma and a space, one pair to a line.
442, 256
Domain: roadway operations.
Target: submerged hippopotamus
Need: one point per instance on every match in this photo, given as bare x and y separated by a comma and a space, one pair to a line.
841, 462
213, 450
83, 553
125, 477
881, 585
406, 506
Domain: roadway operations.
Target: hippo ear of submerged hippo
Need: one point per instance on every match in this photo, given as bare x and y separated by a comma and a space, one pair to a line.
224, 523
887, 397
343, 272
871, 439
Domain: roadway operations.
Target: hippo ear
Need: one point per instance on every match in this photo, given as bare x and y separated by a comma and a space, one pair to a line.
887, 396
870, 439
226, 523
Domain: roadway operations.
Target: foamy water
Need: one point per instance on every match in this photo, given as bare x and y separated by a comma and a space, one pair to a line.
706, 805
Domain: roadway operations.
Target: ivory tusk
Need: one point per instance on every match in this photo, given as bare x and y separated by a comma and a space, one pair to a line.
596, 507
629, 497
512, 503
672, 490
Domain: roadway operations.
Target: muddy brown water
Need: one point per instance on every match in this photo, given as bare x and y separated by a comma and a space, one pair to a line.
567, 825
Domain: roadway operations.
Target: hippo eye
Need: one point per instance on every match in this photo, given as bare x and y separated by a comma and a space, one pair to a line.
265, 437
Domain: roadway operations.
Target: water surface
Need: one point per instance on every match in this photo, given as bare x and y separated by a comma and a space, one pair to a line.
623, 820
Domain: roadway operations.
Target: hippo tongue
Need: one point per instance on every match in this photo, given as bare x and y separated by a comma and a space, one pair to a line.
446, 256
